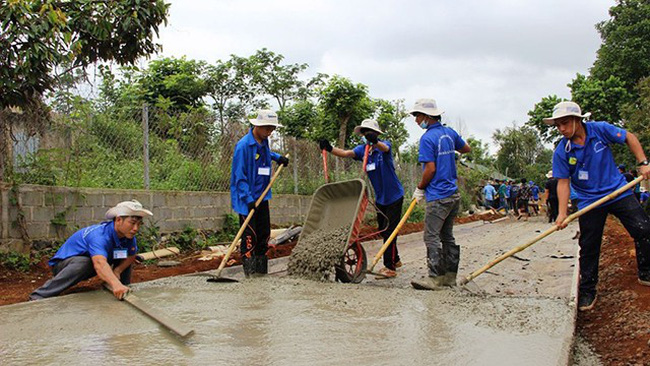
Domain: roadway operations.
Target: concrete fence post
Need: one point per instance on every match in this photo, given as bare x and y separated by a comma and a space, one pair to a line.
145, 144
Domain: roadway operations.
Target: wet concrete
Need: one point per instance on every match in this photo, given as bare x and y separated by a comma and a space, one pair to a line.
315, 255
286, 321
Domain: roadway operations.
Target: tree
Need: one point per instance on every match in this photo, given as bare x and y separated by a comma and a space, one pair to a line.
603, 98
299, 118
390, 116
345, 102
519, 147
637, 120
174, 84
37, 36
279, 81
540, 111
626, 43
479, 152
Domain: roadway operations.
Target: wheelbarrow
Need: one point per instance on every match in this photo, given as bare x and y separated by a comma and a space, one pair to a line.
336, 205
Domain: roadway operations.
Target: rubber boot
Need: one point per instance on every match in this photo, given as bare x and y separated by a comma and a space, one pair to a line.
429, 283
249, 266
261, 265
450, 279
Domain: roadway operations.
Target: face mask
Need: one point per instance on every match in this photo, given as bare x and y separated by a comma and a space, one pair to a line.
364, 140
424, 125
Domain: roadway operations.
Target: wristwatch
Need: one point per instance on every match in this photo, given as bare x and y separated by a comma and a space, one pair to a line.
645, 162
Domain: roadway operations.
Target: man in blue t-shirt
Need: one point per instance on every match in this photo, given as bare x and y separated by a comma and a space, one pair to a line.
534, 194
489, 193
249, 177
583, 159
439, 188
106, 250
388, 189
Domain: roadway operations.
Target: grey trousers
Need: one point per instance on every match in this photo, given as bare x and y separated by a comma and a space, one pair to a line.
443, 254
68, 273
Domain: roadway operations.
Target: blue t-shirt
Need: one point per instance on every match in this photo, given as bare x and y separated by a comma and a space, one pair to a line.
100, 239
535, 191
591, 167
381, 172
251, 172
437, 145
644, 197
489, 192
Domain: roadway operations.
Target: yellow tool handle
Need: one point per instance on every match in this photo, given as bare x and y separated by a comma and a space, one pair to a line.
551, 230
232, 246
392, 236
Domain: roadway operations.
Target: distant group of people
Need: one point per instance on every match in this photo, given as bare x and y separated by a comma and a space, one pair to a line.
506, 195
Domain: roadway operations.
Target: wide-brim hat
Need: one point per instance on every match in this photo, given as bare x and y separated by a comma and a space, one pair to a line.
564, 109
128, 208
426, 106
266, 117
370, 124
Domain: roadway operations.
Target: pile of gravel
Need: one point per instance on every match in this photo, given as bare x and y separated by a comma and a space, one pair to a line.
315, 255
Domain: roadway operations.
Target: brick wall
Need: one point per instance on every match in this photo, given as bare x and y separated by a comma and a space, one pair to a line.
72, 208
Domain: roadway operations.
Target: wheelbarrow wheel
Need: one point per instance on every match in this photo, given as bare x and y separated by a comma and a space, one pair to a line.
353, 264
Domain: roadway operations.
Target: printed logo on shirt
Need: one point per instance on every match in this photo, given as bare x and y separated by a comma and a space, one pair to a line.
440, 147
599, 146
573, 160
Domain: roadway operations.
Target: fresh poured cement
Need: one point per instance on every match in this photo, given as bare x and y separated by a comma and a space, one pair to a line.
315, 256
287, 321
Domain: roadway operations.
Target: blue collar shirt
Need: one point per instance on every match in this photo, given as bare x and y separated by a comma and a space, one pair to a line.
591, 167
381, 172
438, 145
100, 239
489, 192
251, 172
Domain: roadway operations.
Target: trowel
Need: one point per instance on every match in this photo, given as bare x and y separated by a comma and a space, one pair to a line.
217, 277
468, 282
392, 236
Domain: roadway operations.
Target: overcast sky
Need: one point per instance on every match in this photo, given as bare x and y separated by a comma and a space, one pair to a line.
485, 62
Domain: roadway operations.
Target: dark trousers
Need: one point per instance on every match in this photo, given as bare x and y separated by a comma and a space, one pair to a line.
387, 218
592, 224
255, 240
71, 271
553, 209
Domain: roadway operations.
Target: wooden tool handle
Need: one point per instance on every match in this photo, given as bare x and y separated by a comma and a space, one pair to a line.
392, 236
233, 245
551, 230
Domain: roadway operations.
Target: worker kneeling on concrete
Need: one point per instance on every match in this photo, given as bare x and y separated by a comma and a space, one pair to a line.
388, 189
439, 188
106, 250
251, 174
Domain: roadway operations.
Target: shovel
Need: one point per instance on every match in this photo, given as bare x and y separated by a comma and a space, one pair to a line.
473, 287
217, 277
392, 236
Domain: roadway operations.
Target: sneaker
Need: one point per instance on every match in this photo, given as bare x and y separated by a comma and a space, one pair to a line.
429, 283
586, 302
398, 264
385, 273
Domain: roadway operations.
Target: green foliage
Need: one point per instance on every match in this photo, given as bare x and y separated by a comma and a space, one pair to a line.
229, 230
37, 36
637, 121
626, 43
417, 215
390, 116
279, 81
299, 118
174, 83
603, 98
148, 236
15, 261
540, 111
519, 148
479, 152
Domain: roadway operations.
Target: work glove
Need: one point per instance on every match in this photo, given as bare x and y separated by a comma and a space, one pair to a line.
372, 137
418, 195
325, 145
283, 160
251, 206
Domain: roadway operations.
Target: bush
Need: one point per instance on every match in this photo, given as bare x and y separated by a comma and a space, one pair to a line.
15, 261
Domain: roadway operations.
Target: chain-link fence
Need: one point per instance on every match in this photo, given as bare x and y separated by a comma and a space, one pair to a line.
150, 148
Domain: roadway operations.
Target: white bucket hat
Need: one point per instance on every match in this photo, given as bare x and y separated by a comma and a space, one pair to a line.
266, 117
427, 106
564, 109
128, 208
370, 124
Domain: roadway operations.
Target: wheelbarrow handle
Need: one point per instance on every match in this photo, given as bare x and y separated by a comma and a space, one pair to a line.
327, 177
392, 236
